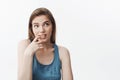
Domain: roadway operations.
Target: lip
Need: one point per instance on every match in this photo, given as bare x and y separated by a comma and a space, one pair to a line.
42, 35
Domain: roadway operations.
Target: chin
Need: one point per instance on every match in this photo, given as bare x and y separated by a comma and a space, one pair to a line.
45, 41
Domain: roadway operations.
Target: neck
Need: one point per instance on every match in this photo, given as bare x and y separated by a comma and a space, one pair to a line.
46, 46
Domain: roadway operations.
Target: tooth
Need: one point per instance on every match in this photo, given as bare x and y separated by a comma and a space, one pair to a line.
42, 36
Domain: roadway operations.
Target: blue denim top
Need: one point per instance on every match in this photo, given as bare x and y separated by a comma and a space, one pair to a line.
47, 72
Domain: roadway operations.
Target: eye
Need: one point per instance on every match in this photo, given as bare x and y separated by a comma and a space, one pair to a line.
46, 24
35, 26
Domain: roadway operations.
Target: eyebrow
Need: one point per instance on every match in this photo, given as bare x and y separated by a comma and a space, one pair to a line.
47, 21
43, 22
34, 23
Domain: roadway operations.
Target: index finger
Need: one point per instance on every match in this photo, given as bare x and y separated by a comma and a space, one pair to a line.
36, 39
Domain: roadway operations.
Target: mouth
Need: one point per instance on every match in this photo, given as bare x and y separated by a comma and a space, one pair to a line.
43, 36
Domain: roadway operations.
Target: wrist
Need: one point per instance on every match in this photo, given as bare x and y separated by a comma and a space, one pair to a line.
28, 53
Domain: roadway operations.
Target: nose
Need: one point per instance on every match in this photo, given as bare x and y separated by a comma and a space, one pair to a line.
41, 29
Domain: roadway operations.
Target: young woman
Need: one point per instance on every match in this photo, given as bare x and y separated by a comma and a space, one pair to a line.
39, 57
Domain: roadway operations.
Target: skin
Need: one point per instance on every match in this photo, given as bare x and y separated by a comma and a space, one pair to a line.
43, 50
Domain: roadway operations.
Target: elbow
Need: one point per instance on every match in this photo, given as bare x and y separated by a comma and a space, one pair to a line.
20, 77
24, 77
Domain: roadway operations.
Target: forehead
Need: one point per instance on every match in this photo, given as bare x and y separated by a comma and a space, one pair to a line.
40, 19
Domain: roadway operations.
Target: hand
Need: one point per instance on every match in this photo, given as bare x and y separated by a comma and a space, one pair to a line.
34, 46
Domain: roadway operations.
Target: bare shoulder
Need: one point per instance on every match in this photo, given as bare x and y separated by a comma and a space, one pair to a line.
63, 52
65, 63
24, 43
63, 49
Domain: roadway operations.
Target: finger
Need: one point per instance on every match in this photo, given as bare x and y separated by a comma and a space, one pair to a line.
36, 39
40, 46
39, 41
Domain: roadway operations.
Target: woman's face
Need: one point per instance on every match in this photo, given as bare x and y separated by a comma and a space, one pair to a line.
42, 27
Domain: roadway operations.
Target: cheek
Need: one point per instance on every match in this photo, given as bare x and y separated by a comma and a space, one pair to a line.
34, 32
49, 33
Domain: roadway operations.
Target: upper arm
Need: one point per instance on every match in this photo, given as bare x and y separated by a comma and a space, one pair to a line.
66, 64
21, 48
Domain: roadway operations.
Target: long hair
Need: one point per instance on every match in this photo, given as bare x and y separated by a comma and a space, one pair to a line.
48, 14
